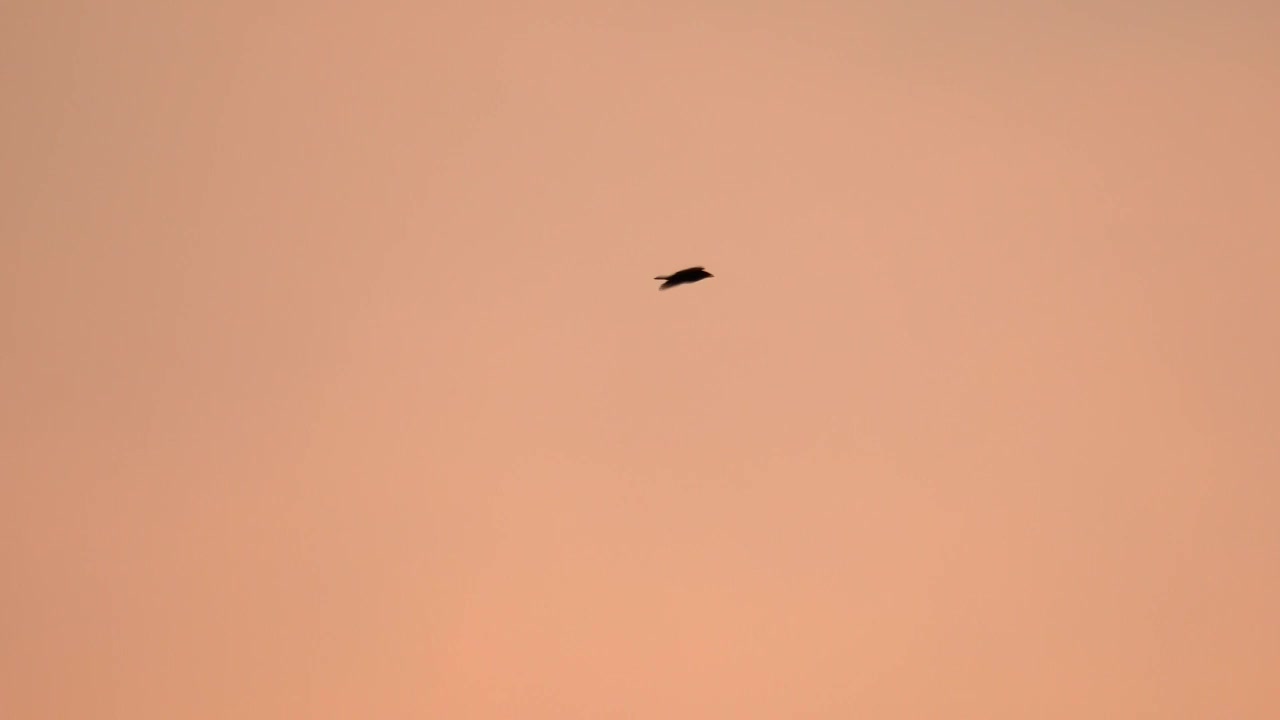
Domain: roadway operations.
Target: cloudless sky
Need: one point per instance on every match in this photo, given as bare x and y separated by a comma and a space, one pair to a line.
335, 385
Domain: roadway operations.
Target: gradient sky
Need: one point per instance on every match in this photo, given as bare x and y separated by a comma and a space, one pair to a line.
335, 384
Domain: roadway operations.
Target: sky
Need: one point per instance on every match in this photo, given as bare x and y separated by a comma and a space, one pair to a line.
334, 383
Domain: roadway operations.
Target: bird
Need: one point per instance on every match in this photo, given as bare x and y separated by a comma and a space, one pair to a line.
688, 275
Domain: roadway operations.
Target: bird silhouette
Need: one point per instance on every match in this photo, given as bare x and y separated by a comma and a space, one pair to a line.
688, 275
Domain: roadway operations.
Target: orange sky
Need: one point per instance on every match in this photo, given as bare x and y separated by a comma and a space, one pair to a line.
335, 384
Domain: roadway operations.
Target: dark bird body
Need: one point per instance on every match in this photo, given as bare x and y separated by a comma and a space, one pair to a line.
688, 275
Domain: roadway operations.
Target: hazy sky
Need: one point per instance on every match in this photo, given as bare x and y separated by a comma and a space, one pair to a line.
335, 384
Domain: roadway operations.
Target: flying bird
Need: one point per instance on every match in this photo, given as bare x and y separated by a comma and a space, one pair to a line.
688, 275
